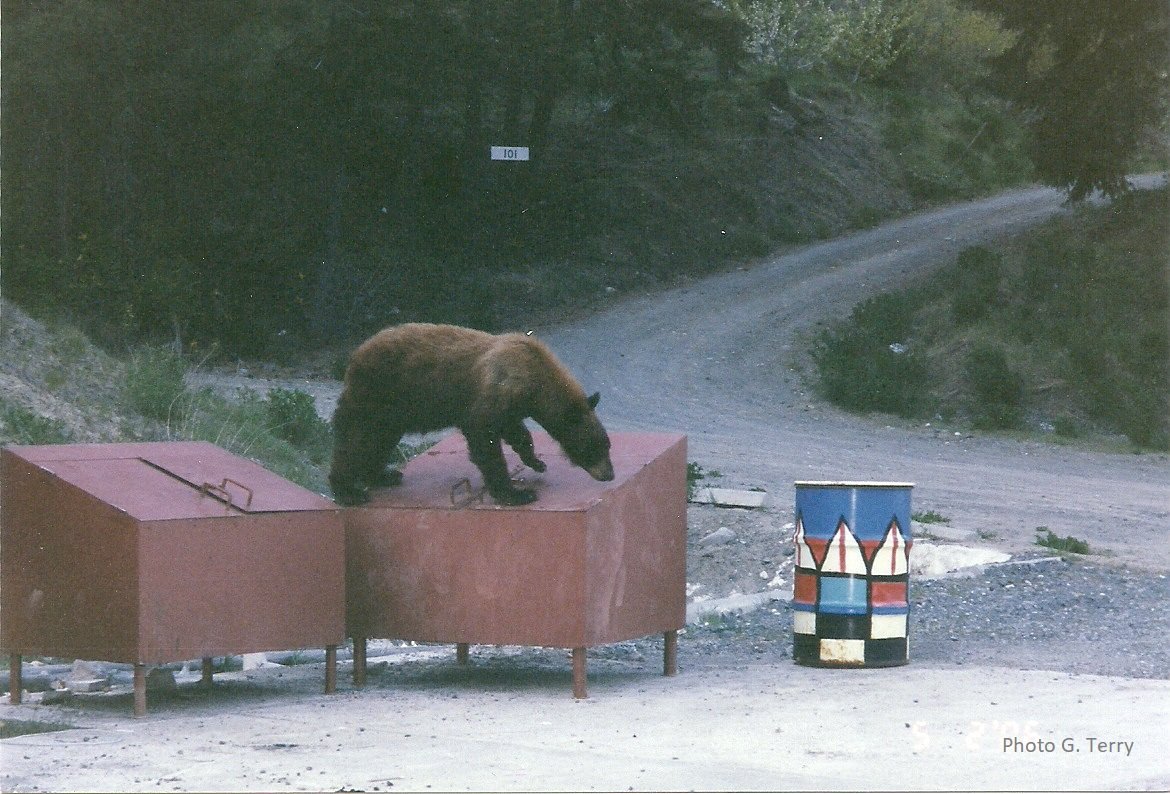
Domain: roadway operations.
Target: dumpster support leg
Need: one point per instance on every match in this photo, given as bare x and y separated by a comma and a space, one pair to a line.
139, 690
15, 684
670, 652
330, 669
462, 652
579, 690
359, 662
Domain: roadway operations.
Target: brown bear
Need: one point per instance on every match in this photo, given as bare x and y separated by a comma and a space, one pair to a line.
419, 377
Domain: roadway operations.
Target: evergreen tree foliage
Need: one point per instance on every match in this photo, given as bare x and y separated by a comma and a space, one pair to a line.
1093, 75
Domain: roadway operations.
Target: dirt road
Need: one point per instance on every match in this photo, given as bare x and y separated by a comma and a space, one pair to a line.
721, 360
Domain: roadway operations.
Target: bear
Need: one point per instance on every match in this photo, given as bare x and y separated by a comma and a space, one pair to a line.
419, 377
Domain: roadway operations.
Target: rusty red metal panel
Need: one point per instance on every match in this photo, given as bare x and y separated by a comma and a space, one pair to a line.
637, 550
587, 563
265, 582
69, 578
502, 579
116, 552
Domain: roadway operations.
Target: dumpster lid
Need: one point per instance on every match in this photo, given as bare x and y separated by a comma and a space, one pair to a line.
169, 480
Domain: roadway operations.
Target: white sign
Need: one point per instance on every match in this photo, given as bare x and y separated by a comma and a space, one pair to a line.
510, 153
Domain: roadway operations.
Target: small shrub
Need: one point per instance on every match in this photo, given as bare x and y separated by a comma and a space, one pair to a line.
155, 379
695, 472
292, 415
19, 425
998, 390
930, 517
1046, 537
861, 365
976, 288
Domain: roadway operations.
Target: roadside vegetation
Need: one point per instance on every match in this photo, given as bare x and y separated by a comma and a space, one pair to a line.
56, 387
1061, 331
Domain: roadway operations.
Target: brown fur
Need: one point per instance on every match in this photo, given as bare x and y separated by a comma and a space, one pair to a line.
420, 377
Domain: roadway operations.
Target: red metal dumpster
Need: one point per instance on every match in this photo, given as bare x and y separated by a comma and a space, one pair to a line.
588, 563
159, 552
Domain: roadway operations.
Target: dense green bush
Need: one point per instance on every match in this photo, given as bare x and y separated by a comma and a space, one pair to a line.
997, 390
859, 38
975, 288
863, 364
1064, 328
155, 380
951, 143
292, 415
22, 426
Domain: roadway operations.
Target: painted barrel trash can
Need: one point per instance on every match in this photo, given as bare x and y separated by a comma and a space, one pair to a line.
851, 605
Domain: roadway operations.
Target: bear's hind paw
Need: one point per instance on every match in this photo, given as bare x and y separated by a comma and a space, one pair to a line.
351, 496
514, 496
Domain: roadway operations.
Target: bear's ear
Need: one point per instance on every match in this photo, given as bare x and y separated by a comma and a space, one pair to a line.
594, 399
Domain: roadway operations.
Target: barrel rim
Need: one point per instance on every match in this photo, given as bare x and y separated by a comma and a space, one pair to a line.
851, 484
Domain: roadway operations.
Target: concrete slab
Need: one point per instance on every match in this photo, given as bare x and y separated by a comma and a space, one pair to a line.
932, 560
944, 532
729, 497
772, 726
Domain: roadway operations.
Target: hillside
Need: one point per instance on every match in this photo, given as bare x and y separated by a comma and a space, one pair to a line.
56, 386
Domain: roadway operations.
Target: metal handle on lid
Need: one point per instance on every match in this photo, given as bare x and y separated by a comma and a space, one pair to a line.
224, 494
473, 494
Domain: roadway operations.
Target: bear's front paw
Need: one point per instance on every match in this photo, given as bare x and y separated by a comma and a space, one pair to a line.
514, 496
351, 495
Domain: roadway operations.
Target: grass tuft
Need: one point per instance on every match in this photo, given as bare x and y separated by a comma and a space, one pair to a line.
1047, 538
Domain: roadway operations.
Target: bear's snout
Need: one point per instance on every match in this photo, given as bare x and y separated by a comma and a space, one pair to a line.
601, 471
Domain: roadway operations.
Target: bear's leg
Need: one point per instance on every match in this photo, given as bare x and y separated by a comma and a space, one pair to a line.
383, 446
348, 451
360, 454
486, 454
519, 439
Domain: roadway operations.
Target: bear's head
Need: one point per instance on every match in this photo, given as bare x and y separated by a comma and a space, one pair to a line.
585, 441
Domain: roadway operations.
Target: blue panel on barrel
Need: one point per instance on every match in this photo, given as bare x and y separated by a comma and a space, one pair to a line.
866, 508
852, 555
844, 595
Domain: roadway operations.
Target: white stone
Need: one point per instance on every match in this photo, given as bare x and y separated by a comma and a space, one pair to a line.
718, 537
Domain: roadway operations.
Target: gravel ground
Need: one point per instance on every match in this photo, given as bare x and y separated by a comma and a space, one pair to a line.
1075, 617
1071, 615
